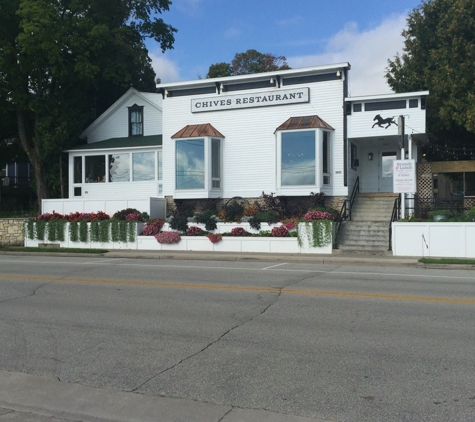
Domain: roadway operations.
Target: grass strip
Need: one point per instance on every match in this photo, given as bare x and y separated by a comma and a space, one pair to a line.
447, 261
56, 250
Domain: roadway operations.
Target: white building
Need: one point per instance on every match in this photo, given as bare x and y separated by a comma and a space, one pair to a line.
289, 132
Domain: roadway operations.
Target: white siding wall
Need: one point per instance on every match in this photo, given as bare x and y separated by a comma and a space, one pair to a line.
360, 123
249, 148
115, 124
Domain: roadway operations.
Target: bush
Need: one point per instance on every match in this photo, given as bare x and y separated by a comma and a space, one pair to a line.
153, 227
280, 231
194, 231
269, 217
239, 231
317, 215
122, 215
179, 223
168, 237
208, 218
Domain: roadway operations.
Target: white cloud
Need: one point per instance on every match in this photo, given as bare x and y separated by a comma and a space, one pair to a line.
189, 7
367, 52
165, 69
232, 32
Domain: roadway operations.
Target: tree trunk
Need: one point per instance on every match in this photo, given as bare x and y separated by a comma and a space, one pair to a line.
30, 146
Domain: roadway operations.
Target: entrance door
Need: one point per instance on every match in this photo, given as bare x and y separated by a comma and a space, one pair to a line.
386, 171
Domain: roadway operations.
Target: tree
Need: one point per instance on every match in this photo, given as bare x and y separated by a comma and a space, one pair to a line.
63, 63
251, 61
219, 70
439, 56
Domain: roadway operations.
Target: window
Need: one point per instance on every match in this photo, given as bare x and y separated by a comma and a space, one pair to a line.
354, 157
143, 166
119, 168
95, 168
216, 163
385, 105
190, 164
326, 168
77, 170
298, 158
357, 107
159, 166
414, 103
136, 120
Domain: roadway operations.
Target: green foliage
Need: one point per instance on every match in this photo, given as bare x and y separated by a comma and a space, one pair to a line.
179, 223
30, 229
56, 230
317, 232
269, 217
446, 213
208, 219
218, 70
63, 63
250, 61
439, 56
40, 229
117, 233
83, 231
131, 231
74, 231
471, 211
121, 215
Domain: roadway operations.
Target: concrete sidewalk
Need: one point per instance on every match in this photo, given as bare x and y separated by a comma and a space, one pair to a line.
335, 258
30, 398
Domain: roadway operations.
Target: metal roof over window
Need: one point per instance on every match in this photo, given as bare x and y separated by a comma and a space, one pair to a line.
129, 142
304, 122
196, 131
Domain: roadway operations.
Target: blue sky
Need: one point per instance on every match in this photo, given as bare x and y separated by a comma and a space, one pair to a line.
364, 33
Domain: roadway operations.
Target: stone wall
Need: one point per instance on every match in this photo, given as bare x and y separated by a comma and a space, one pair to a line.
11, 231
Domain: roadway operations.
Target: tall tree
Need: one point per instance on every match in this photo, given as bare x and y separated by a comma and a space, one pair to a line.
251, 61
63, 62
439, 56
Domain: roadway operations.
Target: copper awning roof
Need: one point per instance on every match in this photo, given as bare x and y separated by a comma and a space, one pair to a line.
304, 122
195, 131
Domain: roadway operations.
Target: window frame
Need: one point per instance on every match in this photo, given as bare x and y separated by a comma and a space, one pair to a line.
132, 124
210, 187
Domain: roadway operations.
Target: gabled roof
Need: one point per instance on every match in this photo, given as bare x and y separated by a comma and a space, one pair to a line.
147, 97
304, 122
117, 143
195, 131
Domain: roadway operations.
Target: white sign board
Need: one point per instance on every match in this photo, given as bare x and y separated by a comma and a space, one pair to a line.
404, 176
255, 99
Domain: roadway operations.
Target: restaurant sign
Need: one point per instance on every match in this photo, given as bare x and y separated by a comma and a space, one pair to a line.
404, 176
262, 99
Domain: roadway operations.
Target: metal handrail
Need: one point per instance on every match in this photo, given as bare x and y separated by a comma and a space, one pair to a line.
394, 217
345, 212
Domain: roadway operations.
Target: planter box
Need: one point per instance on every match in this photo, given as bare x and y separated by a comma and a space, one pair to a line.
442, 239
202, 243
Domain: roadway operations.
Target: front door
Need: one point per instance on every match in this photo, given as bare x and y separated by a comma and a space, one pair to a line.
386, 171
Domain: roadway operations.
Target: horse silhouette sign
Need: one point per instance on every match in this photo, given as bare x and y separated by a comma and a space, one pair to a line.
380, 121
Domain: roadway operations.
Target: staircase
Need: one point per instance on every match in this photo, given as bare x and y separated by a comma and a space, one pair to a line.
368, 230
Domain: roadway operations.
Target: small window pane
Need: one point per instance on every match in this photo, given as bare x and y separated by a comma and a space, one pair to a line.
190, 159
357, 107
119, 168
95, 168
298, 158
215, 159
77, 169
143, 166
160, 169
414, 103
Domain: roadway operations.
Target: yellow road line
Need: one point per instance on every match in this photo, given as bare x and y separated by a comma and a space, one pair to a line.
260, 289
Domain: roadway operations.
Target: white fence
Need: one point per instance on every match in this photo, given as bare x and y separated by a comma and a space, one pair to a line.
440, 239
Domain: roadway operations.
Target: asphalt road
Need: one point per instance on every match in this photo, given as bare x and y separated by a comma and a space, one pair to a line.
330, 342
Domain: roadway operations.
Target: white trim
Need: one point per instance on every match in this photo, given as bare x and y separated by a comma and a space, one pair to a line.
387, 96
257, 76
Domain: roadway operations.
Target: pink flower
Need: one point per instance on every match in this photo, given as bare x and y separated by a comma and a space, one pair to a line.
214, 237
194, 231
168, 237
280, 231
317, 215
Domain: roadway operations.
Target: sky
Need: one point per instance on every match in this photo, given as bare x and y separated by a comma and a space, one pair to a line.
365, 33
